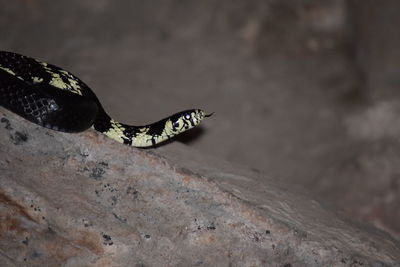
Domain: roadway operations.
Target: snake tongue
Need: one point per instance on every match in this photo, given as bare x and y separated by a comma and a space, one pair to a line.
209, 115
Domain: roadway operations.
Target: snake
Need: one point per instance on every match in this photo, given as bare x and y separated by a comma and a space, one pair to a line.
54, 98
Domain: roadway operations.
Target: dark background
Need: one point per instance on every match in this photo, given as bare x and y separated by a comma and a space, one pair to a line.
304, 91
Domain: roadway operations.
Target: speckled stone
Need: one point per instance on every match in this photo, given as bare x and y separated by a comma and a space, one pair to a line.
85, 200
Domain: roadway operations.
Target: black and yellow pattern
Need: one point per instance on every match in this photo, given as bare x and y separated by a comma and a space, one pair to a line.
54, 98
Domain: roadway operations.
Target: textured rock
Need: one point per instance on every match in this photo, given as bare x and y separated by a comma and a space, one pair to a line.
82, 199
286, 80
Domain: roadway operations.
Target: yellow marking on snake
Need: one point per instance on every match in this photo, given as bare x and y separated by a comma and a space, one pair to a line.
8, 70
168, 130
11, 72
57, 81
37, 80
116, 131
142, 140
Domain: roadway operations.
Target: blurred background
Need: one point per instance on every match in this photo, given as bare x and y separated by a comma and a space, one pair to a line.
303, 91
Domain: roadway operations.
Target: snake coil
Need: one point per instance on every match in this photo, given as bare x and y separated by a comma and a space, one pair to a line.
54, 98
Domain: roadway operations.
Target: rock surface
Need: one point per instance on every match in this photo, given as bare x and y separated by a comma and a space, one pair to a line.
84, 200
305, 91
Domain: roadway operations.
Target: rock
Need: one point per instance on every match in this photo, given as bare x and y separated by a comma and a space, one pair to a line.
85, 200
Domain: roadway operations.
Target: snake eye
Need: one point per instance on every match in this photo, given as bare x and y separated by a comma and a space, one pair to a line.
175, 124
187, 116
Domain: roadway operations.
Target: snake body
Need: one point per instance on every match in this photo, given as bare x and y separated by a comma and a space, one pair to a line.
54, 98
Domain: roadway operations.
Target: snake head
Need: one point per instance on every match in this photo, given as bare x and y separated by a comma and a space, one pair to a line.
187, 119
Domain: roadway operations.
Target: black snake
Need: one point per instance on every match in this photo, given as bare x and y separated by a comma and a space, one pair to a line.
54, 98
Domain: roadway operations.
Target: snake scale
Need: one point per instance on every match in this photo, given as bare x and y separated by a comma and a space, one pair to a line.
54, 98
